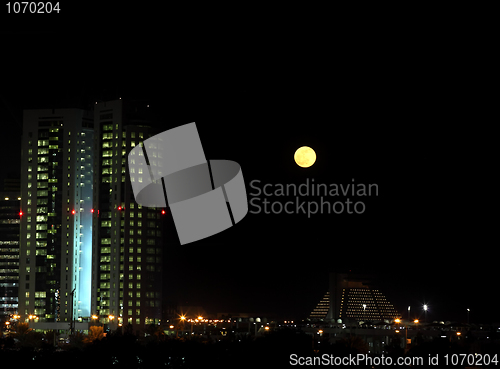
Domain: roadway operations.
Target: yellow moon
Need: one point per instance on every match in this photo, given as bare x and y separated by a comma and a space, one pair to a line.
305, 157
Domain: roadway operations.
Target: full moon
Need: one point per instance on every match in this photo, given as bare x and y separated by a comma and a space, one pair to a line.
305, 157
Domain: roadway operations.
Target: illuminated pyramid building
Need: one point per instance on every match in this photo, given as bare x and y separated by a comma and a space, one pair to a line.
353, 297
321, 310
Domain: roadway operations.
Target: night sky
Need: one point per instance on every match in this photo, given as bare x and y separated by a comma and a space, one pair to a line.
404, 119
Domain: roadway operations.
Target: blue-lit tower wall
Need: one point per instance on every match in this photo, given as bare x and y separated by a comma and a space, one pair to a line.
83, 238
56, 225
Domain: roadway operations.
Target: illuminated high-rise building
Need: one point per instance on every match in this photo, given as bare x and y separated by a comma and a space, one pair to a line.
56, 220
127, 237
9, 253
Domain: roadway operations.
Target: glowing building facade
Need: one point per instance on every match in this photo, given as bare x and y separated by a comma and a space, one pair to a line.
353, 297
9, 253
127, 238
55, 250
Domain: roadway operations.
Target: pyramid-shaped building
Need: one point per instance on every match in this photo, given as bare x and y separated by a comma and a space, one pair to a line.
353, 297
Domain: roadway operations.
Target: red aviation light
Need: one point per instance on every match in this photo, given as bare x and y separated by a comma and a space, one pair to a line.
163, 211
91, 210
20, 213
119, 208
72, 211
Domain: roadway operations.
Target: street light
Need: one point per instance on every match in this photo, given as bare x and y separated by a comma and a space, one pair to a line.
425, 311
